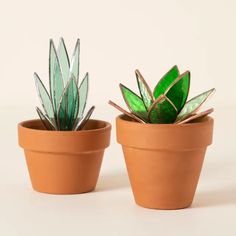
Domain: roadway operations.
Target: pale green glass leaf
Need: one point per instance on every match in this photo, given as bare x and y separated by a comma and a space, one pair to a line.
193, 105
73, 102
196, 117
63, 60
44, 97
134, 103
55, 76
83, 94
68, 107
45, 120
166, 81
162, 111
83, 121
144, 90
178, 91
76, 106
74, 68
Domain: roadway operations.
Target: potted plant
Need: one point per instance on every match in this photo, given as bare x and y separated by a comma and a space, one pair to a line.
64, 148
164, 139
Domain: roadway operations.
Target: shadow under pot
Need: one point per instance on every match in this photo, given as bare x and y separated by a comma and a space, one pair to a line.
164, 161
64, 162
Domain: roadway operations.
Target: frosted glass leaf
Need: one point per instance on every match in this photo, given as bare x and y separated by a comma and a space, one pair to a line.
46, 122
178, 91
131, 115
68, 107
63, 60
83, 94
134, 103
44, 97
162, 111
74, 68
166, 81
55, 76
145, 91
193, 105
196, 116
82, 123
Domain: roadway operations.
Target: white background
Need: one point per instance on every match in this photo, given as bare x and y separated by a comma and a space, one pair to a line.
116, 38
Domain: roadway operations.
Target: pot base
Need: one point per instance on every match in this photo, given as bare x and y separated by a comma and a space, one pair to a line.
64, 173
163, 179
163, 208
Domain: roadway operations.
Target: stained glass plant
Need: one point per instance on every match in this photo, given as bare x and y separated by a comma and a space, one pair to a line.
168, 103
65, 102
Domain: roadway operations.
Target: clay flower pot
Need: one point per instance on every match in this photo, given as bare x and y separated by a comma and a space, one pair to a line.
164, 161
64, 162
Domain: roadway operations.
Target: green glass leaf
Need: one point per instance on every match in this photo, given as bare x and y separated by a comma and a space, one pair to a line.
162, 111
193, 105
166, 81
74, 69
44, 97
196, 117
62, 117
55, 76
45, 120
68, 107
83, 121
83, 94
131, 115
134, 103
63, 60
144, 90
178, 91
74, 100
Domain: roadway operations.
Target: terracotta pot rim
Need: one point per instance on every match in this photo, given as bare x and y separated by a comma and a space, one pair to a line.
95, 137
23, 124
207, 119
164, 136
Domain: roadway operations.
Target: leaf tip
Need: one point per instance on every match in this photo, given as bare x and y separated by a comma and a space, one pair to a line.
213, 90
175, 67
35, 75
61, 39
121, 86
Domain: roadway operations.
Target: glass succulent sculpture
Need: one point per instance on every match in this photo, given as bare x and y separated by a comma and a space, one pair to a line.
65, 102
167, 104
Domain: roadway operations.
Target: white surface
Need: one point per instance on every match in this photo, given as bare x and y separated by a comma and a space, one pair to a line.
116, 38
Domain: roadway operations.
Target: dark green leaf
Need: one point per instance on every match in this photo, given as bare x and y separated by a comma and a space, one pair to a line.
144, 90
166, 81
162, 111
178, 91
134, 103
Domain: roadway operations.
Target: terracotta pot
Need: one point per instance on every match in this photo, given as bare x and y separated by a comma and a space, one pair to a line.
64, 162
164, 161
